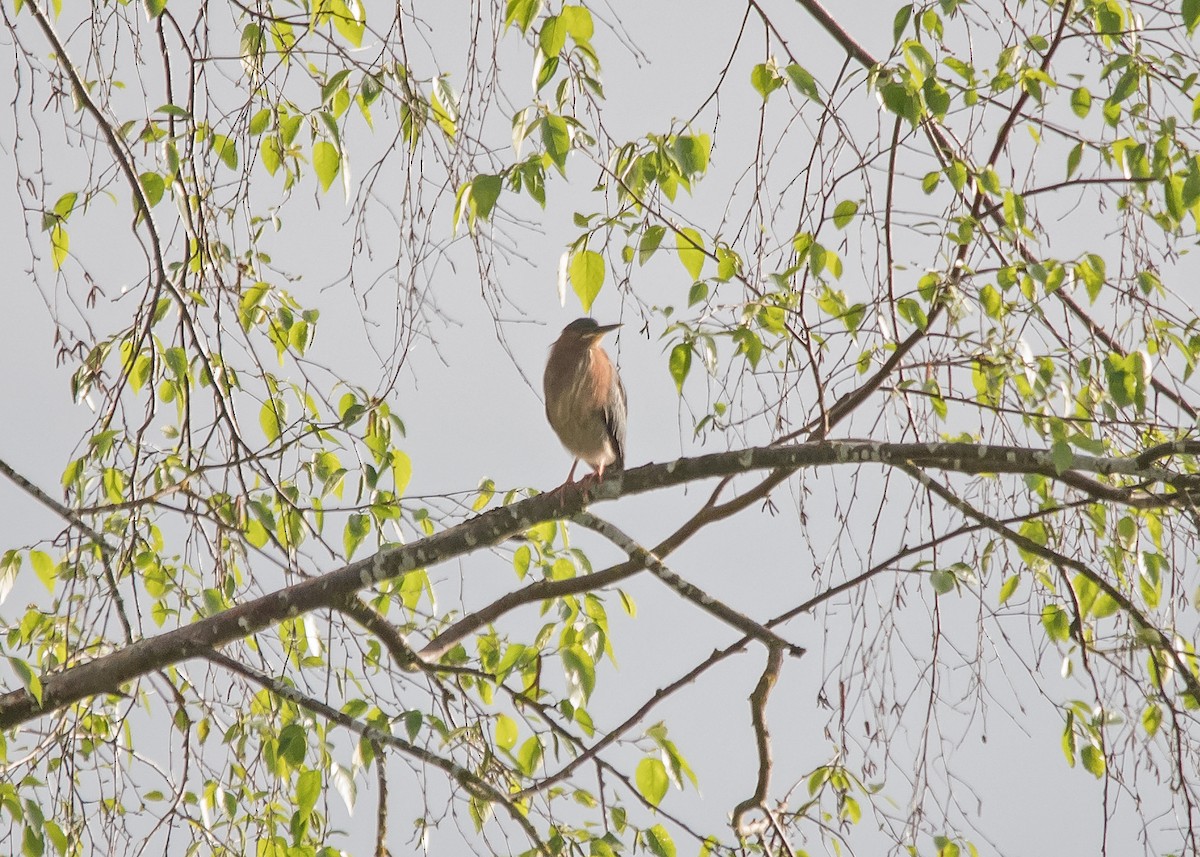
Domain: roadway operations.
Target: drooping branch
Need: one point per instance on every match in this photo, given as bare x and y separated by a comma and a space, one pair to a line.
474, 784
1161, 640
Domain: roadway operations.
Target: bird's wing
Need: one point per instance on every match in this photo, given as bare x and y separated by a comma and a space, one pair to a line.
614, 421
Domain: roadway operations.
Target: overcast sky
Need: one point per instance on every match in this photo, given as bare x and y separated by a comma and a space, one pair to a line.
469, 393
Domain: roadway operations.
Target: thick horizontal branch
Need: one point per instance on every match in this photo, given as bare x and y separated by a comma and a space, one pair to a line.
108, 674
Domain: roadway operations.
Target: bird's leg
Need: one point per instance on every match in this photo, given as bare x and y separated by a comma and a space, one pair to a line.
570, 478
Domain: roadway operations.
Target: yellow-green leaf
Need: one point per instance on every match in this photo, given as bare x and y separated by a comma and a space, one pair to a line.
679, 364
557, 140
691, 251
401, 471
506, 732
651, 778
326, 161
270, 417
28, 678
844, 213
587, 277
45, 568
60, 242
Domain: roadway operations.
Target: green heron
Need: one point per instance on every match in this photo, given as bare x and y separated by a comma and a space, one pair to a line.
585, 400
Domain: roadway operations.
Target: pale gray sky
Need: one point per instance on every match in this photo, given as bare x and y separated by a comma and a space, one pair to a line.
472, 407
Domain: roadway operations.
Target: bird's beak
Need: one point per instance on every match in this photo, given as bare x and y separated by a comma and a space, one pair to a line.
605, 328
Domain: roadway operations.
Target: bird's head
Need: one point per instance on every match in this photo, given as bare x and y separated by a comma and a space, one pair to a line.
586, 330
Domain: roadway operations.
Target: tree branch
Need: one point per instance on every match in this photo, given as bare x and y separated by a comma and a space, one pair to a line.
689, 591
762, 739
108, 673
474, 784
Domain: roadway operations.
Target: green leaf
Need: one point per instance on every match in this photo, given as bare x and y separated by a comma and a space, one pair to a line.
580, 672
690, 244
765, 80
506, 732
900, 21
226, 149
659, 841
444, 102
1191, 15
349, 19
356, 530
557, 140
651, 238
293, 745
1092, 271
1126, 85
401, 471
270, 417
1062, 456
29, 679
587, 277
1073, 159
1126, 376
60, 243
844, 213
553, 36
250, 310
991, 301
545, 71
1056, 623
651, 779
937, 98
413, 720
942, 581
487, 490
1152, 718
153, 187
521, 13
44, 567
308, 790
485, 190
803, 81
529, 757
154, 8
729, 263
253, 45
750, 344
1093, 760
271, 154
177, 361
174, 110
1081, 102
680, 363
579, 24
1009, 587
910, 310
898, 99
692, 152
1068, 739
335, 84
65, 204
327, 162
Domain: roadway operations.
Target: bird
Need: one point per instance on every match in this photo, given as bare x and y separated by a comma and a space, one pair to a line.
585, 399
